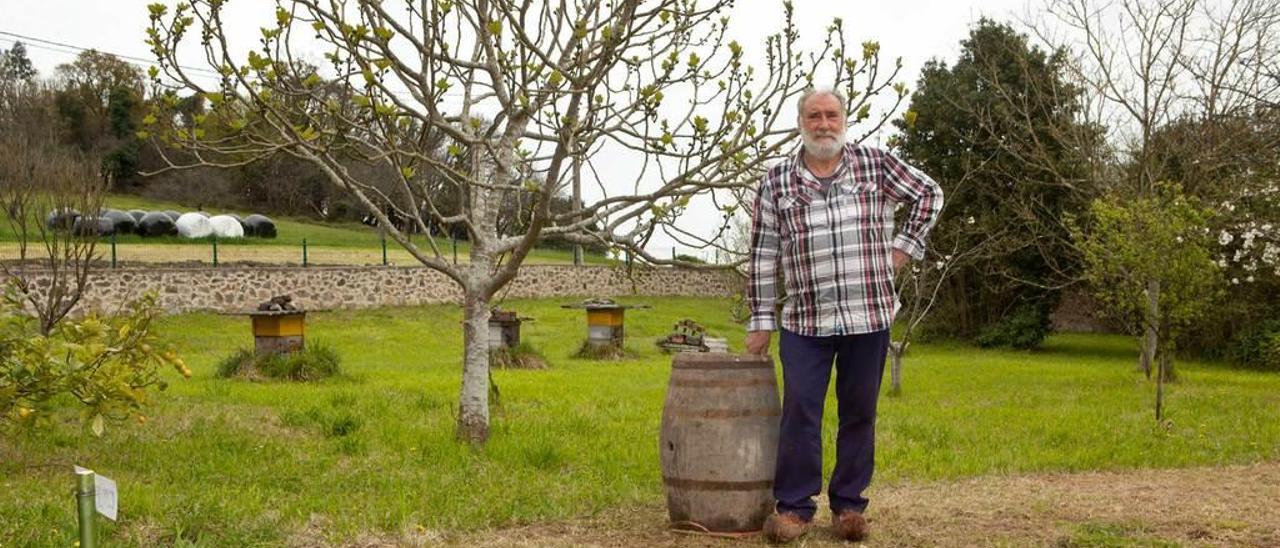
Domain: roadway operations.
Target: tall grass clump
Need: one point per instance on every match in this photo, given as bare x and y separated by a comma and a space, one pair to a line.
314, 362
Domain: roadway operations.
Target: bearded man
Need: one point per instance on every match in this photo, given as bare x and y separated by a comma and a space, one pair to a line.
826, 218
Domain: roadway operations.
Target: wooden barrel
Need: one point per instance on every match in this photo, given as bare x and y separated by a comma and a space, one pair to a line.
719, 441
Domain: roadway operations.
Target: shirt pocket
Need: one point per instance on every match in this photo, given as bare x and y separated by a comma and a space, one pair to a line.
801, 216
858, 204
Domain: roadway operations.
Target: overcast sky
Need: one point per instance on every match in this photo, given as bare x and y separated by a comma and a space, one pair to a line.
915, 30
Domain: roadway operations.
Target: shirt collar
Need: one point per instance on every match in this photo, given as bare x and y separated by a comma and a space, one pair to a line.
806, 178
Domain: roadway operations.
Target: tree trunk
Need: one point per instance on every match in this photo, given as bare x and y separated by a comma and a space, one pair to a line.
1167, 348
473, 402
1151, 337
895, 369
1163, 361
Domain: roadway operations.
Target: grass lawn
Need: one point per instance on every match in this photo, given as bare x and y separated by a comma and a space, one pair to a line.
233, 463
327, 243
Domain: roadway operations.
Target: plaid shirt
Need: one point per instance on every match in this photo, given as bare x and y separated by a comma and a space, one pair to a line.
835, 242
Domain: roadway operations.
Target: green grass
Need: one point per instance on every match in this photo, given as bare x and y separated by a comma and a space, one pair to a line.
1111, 535
290, 233
234, 463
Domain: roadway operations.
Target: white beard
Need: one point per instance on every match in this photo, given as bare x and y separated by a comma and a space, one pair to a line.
823, 148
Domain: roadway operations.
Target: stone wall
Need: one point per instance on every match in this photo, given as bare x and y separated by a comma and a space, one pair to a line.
239, 289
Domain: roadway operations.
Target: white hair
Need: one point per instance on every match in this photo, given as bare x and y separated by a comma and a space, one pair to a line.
813, 92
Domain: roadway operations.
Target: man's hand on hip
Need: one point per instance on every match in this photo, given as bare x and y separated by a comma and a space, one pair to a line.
900, 260
758, 342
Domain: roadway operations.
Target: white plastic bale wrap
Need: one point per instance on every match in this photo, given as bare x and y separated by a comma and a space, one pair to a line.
194, 225
226, 226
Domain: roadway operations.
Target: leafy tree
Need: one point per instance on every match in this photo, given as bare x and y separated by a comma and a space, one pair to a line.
522, 97
100, 101
107, 363
1152, 254
999, 130
15, 66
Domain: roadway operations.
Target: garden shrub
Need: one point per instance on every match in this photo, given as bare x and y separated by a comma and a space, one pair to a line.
1024, 329
1258, 347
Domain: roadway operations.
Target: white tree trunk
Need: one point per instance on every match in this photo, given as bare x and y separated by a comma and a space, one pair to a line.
473, 402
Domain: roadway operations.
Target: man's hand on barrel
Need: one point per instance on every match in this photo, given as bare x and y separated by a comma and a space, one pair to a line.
758, 342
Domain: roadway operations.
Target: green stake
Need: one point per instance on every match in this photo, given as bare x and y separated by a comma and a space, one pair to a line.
113, 250
85, 506
215, 251
384, 250
304, 252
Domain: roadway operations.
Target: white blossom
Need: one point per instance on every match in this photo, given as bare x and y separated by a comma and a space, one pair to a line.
970, 220
1235, 281
1249, 279
1225, 238
1247, 238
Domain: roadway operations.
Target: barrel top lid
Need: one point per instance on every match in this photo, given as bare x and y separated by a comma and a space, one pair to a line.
721, 357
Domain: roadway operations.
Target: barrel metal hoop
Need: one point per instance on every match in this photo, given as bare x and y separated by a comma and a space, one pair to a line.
724, 383
722, 365
708, 485
693, 413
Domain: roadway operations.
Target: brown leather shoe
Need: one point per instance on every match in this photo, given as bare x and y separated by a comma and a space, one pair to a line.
850, 525
785, 527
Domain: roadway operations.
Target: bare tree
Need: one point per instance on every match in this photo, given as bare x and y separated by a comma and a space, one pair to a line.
39, 176
525, 97
920, 288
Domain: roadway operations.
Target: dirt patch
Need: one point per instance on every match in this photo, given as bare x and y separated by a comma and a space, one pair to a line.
1219, 506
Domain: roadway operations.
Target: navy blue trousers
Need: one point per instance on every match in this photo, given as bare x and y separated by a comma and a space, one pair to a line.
806, 372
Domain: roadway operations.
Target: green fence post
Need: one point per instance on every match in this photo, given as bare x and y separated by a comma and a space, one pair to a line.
215, 252
384, 250
455, 250
304, 252
113, 250
85, 507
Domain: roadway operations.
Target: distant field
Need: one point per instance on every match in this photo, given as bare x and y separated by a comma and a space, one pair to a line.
327, 243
